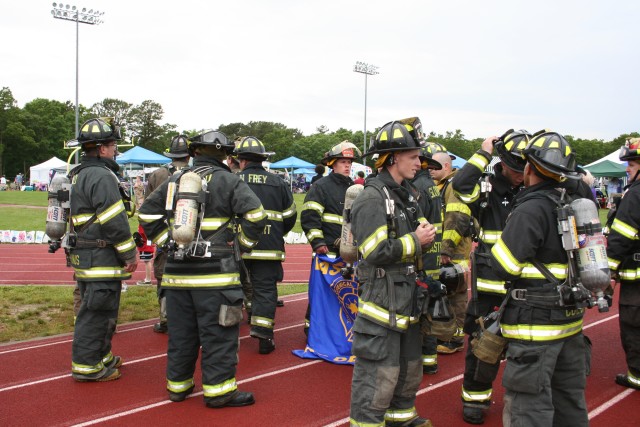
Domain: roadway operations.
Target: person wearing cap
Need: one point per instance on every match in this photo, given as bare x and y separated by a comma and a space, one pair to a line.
391, 240
623, 251
321, 216
101, 251
458, 228
547, 357
202, 284
264, 262
490, 197
179, 155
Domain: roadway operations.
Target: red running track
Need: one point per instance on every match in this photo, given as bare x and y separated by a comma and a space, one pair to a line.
31, 264
36, 387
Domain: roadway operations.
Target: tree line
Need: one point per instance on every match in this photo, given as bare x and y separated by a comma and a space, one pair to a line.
36, 132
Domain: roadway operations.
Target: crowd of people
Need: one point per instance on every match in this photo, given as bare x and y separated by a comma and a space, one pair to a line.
218, 231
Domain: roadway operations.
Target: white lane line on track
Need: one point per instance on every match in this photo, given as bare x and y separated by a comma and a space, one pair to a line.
130, 362
606, 405
120, 331
595, 412
166, 402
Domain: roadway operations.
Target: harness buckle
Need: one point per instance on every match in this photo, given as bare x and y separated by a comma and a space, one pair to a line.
636, 256
380, 273
519, 294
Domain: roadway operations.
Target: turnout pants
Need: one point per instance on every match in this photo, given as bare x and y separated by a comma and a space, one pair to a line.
158, 270
477, 385
545, 383
95, 323
193, 322
264, 277
386, 375
630, 336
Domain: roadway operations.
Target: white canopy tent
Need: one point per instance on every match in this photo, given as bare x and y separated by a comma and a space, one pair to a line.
40, 173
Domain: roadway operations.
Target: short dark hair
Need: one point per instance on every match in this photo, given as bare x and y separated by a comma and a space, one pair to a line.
319, 169
361, 174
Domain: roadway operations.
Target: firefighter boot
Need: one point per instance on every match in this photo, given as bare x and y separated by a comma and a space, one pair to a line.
473, 414
266, 346
180, 396
106, 374
627, 380
416, 422
233, 399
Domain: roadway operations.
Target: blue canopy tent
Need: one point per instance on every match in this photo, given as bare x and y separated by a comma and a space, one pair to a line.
141, 156
291, 163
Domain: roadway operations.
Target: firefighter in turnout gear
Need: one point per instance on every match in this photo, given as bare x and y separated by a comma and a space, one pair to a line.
387, 339
201, 279
457, 230
264, 262
547, 354
624, 259
179, 154
101, 250
489, 196
321, 216
431, 206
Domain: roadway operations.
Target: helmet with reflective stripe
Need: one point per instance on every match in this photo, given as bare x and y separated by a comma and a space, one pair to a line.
393, 136
435, 147
97, 131
510, 146
630, 150
344, 150
212, 138
250, 148
551, 155
178, 148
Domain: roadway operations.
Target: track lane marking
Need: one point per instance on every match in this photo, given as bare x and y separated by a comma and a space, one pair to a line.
200, 393
461, 376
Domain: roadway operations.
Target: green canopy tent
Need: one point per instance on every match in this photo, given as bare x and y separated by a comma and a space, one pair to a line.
607, 168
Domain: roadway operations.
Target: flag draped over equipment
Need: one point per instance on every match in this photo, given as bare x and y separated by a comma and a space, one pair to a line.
334, 305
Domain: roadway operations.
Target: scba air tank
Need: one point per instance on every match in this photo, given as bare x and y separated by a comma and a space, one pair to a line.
348, 247
593, 267
57, 209
186, 213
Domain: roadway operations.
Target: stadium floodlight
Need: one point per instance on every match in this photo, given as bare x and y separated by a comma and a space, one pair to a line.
72, 13
367, 70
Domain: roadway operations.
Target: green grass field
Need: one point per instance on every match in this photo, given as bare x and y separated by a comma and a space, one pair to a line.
28, 219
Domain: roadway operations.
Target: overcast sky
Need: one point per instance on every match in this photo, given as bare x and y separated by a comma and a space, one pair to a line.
479, 66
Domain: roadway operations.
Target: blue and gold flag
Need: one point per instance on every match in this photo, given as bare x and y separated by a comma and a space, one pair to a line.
334, 305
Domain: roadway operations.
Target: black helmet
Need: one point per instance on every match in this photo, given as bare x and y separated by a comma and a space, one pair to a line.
426, 159
630, 150
393, 136
550, 153
344, 150
435, 147
415, 128
510, 146
179, 147
250, 148
213, 138
97, 131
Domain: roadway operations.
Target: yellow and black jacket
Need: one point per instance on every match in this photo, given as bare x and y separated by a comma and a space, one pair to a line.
104, 242
531, 233
490, 209
278, 204
457, 225
321, 216
623, 247
431, 206
227, 197
389, 251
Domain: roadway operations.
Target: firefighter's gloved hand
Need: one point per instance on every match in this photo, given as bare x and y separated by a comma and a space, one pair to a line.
321, 250
131, 267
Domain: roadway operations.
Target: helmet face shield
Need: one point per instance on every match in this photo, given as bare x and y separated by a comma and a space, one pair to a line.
212, 138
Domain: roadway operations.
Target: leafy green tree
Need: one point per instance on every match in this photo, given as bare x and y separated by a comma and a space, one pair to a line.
116, 108
145, 126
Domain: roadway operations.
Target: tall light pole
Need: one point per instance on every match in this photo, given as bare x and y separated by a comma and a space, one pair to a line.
72, 13
367, 70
